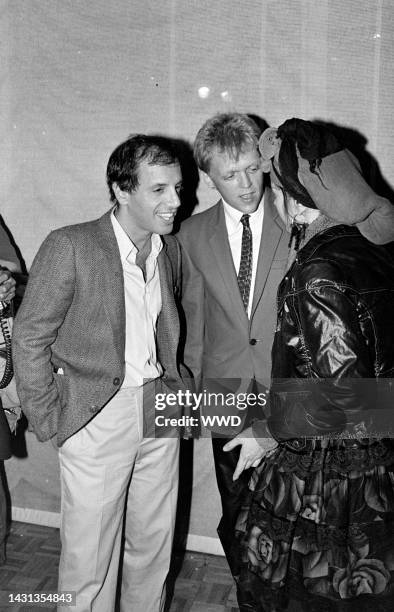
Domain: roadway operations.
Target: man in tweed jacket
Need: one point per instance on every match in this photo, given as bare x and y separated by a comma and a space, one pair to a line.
97, 330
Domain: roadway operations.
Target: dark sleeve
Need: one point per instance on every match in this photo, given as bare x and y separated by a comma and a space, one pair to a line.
336, 396
8, 253
5, 437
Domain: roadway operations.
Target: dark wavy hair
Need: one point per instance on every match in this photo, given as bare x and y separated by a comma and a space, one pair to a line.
125, 160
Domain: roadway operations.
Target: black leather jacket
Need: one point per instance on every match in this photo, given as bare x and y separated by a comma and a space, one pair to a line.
334, 339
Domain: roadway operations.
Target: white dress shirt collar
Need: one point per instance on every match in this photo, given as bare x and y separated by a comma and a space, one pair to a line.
233, 216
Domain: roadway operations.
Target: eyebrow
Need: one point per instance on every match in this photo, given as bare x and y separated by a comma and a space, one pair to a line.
166, 184
234, 169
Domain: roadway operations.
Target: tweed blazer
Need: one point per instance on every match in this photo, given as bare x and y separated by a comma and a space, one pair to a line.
221, 341
69, 334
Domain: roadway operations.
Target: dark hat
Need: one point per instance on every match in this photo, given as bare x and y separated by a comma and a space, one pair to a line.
331, 176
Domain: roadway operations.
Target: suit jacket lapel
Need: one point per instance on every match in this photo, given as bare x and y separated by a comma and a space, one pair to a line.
224, 261
112, 282
168, 322
271, 235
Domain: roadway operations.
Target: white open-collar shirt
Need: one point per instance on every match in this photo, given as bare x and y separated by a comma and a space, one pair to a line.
142, 307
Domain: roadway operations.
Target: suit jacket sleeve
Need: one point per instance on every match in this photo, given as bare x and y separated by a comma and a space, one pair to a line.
193, 306
49, 292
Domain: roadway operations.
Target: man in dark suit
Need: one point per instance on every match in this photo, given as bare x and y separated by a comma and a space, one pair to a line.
234, 256
97, 333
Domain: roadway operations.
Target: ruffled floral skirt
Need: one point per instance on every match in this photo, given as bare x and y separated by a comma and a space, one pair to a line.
316, 532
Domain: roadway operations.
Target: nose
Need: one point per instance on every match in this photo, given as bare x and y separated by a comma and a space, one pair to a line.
244, 180
174, 199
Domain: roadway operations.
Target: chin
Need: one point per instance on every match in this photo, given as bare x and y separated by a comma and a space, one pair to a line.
166, 230
249, 207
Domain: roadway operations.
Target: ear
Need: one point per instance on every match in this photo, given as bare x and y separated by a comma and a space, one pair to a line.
121, 196
207, 180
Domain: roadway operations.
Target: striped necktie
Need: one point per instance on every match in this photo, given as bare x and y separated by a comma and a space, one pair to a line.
245, 267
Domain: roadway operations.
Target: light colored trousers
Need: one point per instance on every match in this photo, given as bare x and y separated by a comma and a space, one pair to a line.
110, 473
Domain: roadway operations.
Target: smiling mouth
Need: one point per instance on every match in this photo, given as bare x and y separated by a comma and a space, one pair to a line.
167, 217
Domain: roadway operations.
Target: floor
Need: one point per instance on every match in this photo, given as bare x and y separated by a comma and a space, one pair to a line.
202, 582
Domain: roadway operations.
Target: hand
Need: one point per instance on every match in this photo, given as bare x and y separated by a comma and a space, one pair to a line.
7, 286
251, 451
